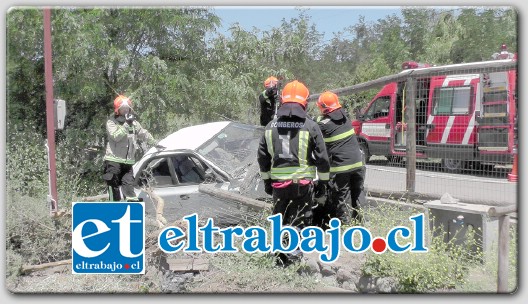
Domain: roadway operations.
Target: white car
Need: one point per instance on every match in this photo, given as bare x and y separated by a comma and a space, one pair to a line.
223, 153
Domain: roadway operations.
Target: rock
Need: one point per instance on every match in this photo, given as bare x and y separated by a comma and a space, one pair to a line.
386, 285
310, 266
326, 270
344, 275
366, 284
448, 199
174, 282
348, 285
318, 276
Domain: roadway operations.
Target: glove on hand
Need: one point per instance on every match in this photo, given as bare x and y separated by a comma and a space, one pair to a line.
320, 188
320, 192
130, 118
268, 188
271, 92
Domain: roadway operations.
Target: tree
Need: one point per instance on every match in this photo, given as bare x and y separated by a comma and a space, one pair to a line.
483, 30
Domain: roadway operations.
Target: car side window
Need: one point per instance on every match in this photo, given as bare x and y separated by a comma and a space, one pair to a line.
188, 169
157, 173
379, 108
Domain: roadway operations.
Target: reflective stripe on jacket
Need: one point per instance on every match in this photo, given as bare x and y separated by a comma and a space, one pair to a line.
341, 142
293, 149
122, 140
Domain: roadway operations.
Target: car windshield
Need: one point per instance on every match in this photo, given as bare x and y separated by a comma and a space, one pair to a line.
234, 148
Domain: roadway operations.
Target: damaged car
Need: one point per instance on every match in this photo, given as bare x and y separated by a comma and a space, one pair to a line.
223, 154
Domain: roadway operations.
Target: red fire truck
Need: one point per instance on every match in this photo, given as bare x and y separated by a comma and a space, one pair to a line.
459, 119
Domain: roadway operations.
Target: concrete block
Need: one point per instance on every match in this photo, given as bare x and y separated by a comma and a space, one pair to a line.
456, 220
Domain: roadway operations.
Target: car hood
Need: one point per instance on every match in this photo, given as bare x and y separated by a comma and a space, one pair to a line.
191, 137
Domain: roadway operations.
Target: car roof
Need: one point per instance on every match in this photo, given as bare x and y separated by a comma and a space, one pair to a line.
192, 137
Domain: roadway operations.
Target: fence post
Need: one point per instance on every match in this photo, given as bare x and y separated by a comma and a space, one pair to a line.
410, 118
504, 244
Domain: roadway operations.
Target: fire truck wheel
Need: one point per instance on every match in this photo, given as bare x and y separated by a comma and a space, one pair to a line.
452, 165
395, 160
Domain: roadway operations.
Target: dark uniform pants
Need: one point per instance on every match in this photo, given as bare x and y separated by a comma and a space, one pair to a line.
119, 175
346, 195
295, 204
266, 115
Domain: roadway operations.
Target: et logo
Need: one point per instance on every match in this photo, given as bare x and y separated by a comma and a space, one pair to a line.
108, 238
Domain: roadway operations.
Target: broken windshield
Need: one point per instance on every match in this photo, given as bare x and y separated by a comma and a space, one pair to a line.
234, 148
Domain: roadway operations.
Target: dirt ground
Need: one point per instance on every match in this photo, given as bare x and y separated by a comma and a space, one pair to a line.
328, 278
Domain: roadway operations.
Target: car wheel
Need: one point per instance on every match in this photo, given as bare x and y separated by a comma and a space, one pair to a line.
364, 150
452, 165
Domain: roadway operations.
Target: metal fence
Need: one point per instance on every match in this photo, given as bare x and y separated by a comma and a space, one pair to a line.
442, 129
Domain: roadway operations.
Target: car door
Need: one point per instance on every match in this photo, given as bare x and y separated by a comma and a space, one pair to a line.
175, 179
376, 121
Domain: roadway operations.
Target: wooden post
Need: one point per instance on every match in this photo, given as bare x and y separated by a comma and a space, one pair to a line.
410, 117
50, 119
504, 243
502, 213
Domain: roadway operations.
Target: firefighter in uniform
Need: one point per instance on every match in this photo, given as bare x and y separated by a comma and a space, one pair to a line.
347, 170
123, 132
268, 99
290, 155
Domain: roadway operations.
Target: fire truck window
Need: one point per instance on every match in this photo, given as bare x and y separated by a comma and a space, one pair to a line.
461, 100
452, 101
380, 108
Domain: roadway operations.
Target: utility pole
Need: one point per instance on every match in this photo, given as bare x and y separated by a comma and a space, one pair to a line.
50, 119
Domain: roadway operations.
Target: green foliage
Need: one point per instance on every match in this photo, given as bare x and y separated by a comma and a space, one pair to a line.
483, 277
252, 273
32, 236
173, 62
443, 267
26, 160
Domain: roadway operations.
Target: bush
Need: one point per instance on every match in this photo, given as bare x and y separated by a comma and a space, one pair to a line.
444, 266
32, 235
26, 161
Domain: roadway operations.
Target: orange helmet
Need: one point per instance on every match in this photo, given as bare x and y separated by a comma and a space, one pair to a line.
296, 92
270, 82
328, 102
121, 101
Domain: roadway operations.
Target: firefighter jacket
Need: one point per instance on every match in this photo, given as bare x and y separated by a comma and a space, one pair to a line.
122, 139
341, 142
292, 148
267, 102
267, 107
